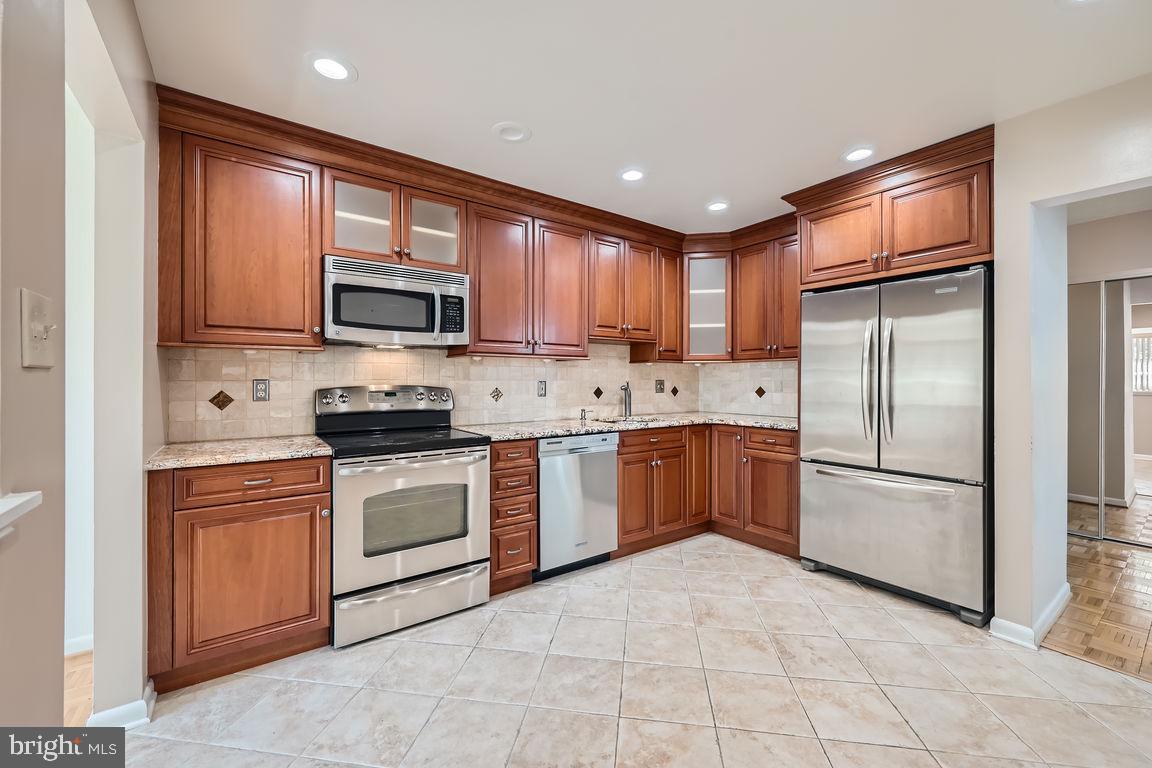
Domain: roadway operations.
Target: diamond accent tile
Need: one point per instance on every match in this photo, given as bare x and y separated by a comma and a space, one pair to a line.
221, 400
496, 394
760, 392
675, 391
598, 392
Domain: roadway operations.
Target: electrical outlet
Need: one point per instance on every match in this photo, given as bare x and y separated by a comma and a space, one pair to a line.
541, 389
260, 393
659, 386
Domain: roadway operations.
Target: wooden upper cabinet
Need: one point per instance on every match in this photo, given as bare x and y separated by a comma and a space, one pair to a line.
640, 294
669, 487
361, 217
787, 298
250, 272
670, 326
560, 276
634, 490
500, 266
938, 219
278, 550
698, 496
753, 302
434, 230
727, 483
841, 240
606, 287
771, 493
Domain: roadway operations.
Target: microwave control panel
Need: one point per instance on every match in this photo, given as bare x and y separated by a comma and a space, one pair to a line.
451, 314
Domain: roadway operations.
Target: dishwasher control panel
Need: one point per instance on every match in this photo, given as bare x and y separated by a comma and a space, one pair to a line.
564, 444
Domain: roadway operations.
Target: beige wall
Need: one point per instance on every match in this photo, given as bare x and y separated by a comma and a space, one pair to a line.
32, 401
1116, 247
1084, 390
1096, 144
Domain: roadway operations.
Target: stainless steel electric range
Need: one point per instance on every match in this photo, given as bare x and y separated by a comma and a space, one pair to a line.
410, 508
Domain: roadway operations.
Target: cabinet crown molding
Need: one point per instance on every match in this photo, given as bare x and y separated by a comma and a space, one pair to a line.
957, 152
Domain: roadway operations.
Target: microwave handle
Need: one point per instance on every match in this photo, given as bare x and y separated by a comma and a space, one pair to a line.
436, 312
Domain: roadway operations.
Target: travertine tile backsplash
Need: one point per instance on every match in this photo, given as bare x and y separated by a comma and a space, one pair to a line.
196, 375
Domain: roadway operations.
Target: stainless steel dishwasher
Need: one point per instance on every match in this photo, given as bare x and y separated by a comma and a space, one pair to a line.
577, 499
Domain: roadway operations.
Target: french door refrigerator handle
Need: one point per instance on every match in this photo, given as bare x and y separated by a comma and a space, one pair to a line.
886, 381
903, 484
866, 381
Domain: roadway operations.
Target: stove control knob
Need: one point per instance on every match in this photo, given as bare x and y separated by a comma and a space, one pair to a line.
343, 398
419, 395
327, 399
443, 397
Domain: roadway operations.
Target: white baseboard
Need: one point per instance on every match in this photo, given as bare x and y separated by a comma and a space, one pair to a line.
1108, 500
127, 716
1031, 637
81, 644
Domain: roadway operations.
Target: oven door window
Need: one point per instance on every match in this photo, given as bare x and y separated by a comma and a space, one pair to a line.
414, 517
384, 309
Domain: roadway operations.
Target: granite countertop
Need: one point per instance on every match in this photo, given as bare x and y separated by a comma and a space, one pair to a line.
212, 452
533, 430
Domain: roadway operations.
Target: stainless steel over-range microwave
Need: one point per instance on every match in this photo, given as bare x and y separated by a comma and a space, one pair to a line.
376, 303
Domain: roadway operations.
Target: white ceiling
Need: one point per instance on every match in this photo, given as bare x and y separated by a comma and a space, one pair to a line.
743, 100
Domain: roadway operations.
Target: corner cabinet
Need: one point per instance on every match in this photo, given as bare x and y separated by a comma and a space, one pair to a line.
766, 305
756, 486
708, 302
927, 210
239, 246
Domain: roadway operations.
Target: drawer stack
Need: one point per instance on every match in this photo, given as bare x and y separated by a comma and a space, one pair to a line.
514, 509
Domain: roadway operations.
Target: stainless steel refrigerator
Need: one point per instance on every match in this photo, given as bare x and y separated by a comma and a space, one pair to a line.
894, 425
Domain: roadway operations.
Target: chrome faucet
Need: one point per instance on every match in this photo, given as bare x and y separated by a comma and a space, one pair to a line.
583, 415
627, 399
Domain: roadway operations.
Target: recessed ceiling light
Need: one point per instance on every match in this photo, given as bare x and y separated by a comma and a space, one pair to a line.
858, 154
632, 174
512, 132
718, 205
331, 68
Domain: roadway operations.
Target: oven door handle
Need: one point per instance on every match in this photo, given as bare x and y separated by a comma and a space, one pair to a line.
423, 586
398, 464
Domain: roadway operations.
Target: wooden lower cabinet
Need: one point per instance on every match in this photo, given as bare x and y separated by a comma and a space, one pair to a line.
727, 462
699, 491
771, 490
514, 550
515, 535
249, 574
634, 497
669, 484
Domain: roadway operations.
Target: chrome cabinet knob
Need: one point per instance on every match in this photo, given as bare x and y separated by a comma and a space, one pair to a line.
884, 255
875, 256
659, 349
315, 329
396, 250
325, 513
407, 251
739, 438
744, 460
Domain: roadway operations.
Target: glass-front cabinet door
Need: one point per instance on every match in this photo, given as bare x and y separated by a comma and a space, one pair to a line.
361, 217
709, 306
433, 234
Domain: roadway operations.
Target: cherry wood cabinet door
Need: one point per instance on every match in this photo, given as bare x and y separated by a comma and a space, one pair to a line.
606, 287
699, 474
939, 219
251, 261
249, 574
772, 495
670, 325
841, 240
787, 298
727, 485
500, 268
434, 231
634, 491
640, 296
560, 298
361, 216
753, 300
669, 490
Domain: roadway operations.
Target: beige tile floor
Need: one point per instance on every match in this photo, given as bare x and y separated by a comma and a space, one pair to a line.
707, 653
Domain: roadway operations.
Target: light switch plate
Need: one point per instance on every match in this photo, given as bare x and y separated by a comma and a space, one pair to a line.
38, 331
659, 386
541, 389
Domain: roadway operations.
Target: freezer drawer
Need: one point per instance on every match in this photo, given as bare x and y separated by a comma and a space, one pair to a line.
931, 387
925, 536
839, 340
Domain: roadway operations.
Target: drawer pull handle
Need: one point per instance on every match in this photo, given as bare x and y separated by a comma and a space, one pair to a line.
516, 512
516, 455
769, 440
653, 439
513, 483
516, 551
261, 481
